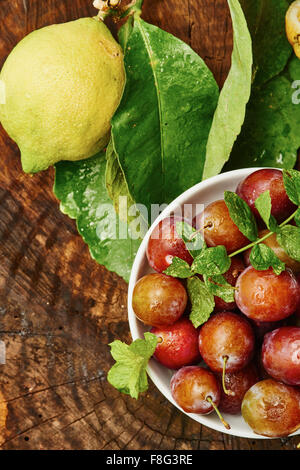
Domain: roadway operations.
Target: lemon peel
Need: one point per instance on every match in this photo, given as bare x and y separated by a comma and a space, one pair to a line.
292, 25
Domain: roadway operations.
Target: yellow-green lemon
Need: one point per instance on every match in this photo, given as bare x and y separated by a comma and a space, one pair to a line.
60, 87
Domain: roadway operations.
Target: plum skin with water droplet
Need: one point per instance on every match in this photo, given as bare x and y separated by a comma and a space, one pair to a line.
281, 354
266, 180
272, 409
231, 276
158, 299
265, 296
239, 383
219, 228
179, 345
226, 334
191, 386
165, 243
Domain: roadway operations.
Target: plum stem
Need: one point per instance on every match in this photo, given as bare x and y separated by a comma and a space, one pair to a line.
227, 426
226, 391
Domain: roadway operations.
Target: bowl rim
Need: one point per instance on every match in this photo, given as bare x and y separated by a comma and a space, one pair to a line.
134, 276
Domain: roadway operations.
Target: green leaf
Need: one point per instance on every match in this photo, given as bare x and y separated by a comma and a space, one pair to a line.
212, 261
262, 257
291, 179
271, 50
270, 134
179, 268
201, 299
129, 375
161, 127
293, 68
289, 239
115, 182
297, 217
218, 286
82, 185
194, 241
118, 192
64, 188
263, 204
230, 113
241, 215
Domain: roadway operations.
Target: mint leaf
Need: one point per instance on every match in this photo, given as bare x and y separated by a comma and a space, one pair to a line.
264, 206
263, 257
289, 239
194, 241
297, 217
212, 261
129, 375
241, 215
178, 268
218, 286
202, 301
291, 180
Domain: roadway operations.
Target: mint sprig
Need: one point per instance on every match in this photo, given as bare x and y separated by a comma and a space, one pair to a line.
128, 374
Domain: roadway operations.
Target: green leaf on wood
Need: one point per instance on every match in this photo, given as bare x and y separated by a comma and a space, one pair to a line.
124, 205
161, 127
270, 135
271, 50
231, 109
80, 186
129, 375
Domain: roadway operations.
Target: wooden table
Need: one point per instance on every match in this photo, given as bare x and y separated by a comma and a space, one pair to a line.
58, 308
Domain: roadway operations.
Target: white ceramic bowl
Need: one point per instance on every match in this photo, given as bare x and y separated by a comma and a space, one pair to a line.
202, 193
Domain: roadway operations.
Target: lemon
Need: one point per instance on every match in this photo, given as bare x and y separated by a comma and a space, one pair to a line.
60, 87
292, 24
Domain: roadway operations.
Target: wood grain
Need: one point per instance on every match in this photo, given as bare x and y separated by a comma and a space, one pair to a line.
58, 308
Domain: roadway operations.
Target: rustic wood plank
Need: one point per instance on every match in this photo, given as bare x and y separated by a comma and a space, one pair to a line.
58, 308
